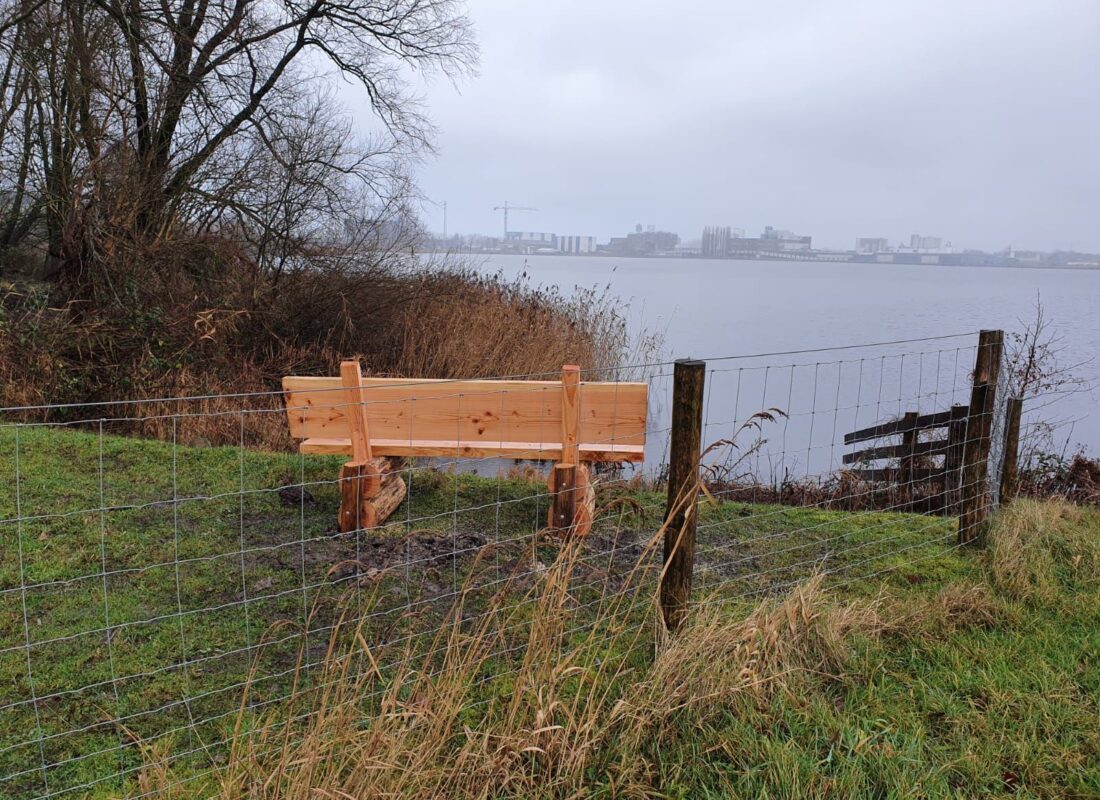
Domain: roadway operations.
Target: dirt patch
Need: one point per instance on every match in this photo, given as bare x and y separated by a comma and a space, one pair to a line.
617, 553
417, 552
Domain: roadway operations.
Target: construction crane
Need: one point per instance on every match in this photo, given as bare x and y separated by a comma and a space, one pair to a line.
506, 208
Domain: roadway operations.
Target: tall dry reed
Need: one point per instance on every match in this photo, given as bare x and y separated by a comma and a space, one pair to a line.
588, 690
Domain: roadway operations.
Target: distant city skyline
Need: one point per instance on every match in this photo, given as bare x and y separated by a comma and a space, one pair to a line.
911, 240
772, 243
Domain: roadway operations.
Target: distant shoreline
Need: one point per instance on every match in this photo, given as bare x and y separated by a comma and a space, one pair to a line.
781, 258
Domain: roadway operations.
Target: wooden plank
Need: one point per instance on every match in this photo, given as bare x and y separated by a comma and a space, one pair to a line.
570, 409
613, 414
937, 447
893, 427
351, 378
897, 474
532, 451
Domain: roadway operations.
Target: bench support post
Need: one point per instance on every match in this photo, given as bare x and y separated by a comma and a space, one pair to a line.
369, 489
564, 510
573, 498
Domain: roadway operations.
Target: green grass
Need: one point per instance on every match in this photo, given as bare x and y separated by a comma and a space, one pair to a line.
229, 536
1007, 707
1003, 704
1003, 710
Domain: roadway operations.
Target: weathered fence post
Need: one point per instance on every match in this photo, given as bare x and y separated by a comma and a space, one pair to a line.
953, 460
683, 476
979, 427
1010, 468
907, 463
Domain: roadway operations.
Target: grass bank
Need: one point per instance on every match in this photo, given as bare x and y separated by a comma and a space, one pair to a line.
173, 606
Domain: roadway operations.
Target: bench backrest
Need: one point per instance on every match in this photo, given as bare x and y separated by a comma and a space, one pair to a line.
504, 418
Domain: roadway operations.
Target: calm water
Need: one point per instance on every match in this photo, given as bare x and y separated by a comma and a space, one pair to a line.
714, 309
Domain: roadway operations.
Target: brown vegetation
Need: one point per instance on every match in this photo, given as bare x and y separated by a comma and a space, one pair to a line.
197, 319
1076, 479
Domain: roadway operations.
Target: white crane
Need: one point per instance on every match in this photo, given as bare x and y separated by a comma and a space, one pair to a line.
440, 204
506, 208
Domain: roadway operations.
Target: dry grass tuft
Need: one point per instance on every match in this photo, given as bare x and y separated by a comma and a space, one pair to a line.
802, 632
960, 605
433, 727
592, 692
1033, 545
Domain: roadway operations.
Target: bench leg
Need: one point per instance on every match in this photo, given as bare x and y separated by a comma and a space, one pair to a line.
369, 493
573, 500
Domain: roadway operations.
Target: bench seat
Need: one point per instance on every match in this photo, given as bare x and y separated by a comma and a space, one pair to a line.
534, 451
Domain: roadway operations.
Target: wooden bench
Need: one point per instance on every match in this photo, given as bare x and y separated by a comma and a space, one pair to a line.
380, 420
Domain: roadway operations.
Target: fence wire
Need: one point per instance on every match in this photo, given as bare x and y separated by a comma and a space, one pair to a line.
161, 590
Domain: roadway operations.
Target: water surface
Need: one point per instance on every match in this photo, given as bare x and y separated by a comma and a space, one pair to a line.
718, 309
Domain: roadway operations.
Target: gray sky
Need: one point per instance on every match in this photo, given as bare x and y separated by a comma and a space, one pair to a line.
978, 121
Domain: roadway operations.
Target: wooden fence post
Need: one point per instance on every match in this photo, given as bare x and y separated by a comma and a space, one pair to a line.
953, 460
1010, 469
979, 427
683, 481
907, 462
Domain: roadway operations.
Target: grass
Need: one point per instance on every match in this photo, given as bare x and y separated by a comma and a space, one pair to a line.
906, 668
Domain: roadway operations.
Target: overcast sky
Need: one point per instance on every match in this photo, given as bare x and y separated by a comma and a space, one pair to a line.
975, 121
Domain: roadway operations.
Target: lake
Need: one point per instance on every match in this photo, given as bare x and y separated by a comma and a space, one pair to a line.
721, 309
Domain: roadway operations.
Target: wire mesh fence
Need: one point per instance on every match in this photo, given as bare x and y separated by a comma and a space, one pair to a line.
158, 596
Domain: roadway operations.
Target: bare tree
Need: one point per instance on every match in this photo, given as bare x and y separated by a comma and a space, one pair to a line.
141, 115
1039, 370
1037, 365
